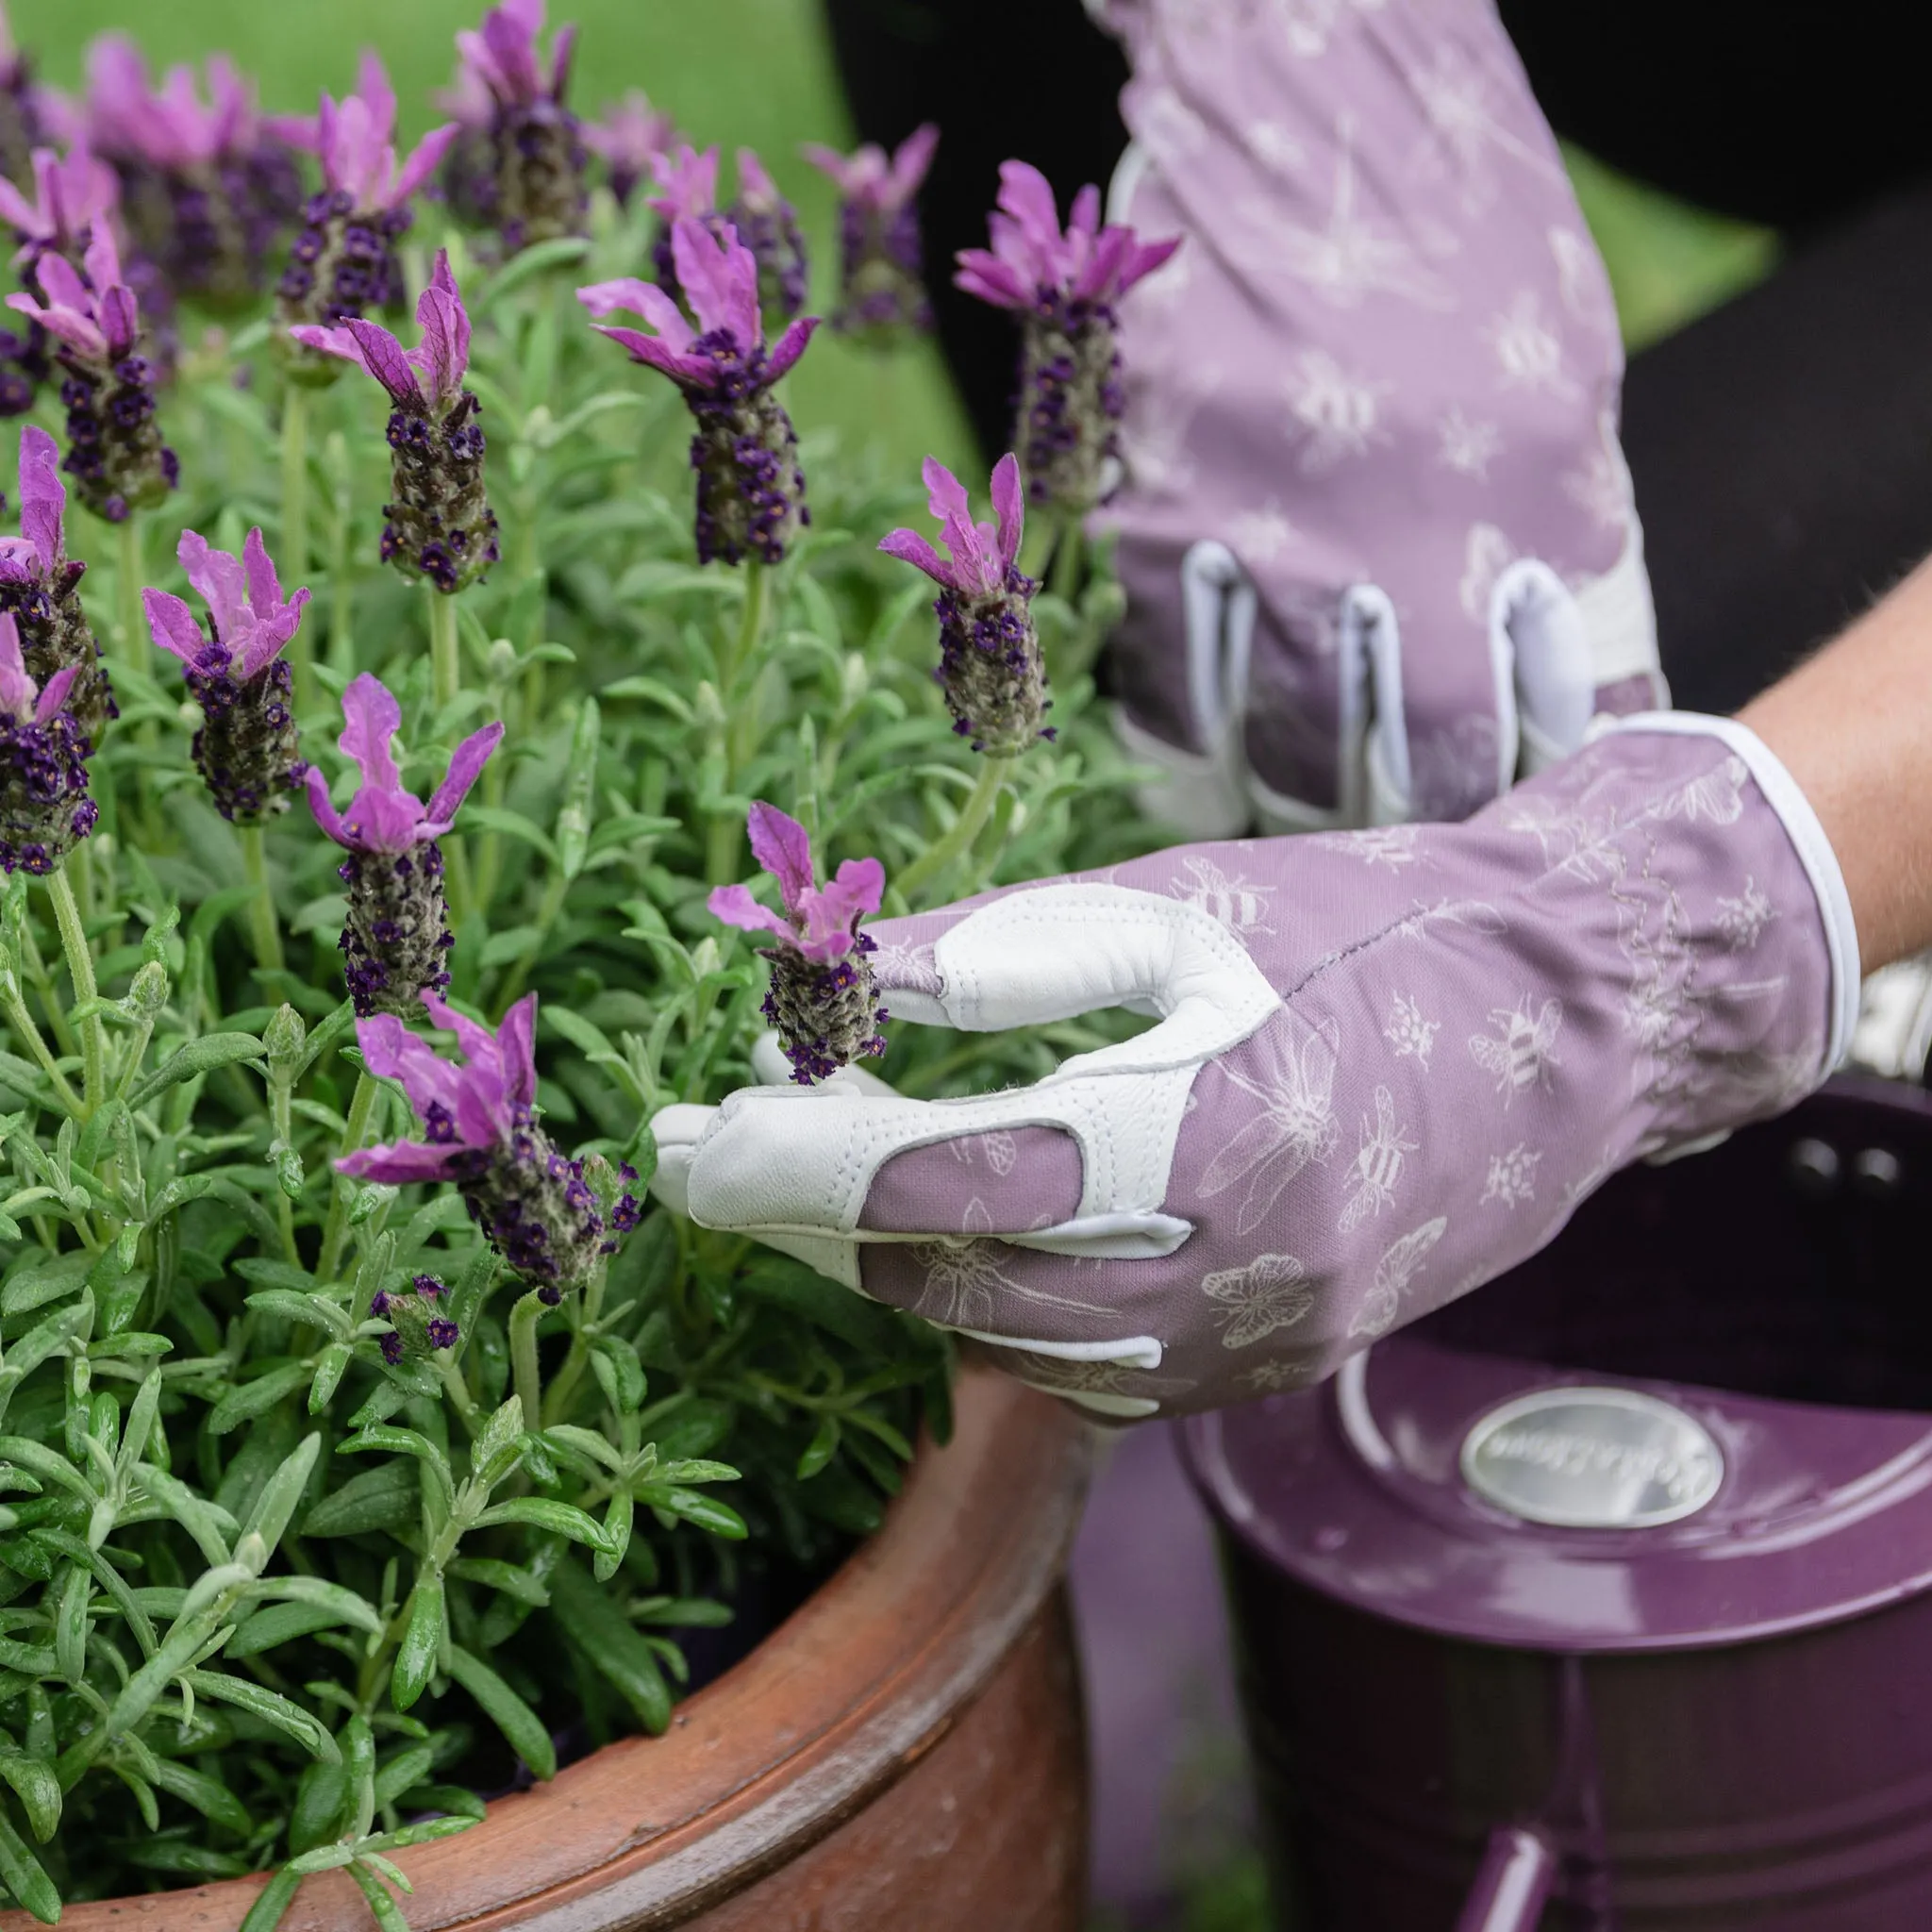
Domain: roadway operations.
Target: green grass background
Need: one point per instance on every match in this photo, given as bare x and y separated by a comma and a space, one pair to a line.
758, 72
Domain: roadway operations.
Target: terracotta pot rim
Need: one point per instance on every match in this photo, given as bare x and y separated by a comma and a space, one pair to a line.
836, 1703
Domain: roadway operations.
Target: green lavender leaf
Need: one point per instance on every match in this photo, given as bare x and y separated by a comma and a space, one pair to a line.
522, 1728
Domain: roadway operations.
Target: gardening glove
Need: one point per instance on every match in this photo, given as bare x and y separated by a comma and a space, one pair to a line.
1375, 530
1387, 1066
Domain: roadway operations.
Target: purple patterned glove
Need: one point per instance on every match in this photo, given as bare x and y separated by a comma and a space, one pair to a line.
1388, 1066
1376, 530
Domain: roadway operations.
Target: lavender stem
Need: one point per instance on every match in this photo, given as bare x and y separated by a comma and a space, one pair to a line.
294, 544
445, 661
935, 861
525, 1372
335, 1228
264, 928
722, 837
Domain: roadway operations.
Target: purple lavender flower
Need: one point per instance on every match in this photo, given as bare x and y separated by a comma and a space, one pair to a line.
397, 937
207, 189
990, 665
1064, 287
70, 194
44, 807
686, 181
824, 1000
115, 452
881, 252
40, 587
767, 224
627, 137
480, 1131
750, 490
419, 1328
343, 262
535, 191
247, 747
441, 526
25, 364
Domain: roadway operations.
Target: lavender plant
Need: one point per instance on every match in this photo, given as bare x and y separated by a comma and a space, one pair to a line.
625, 138
367, 1445
882, 296
114, 448
208, 188
1063, 287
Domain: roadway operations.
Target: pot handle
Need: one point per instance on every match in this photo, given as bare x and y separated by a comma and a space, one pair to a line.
1513, 1884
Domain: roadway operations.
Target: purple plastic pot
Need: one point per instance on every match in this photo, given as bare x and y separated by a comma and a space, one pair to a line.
1601, 1600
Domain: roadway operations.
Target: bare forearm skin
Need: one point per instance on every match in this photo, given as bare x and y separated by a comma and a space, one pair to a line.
1854, 727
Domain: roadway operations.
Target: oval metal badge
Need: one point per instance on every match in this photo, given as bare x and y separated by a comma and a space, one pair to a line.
1592, 1458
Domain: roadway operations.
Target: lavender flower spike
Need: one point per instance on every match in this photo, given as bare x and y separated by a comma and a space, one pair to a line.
768, 225
480, 1131
630, 134
115, 452
205, 188
535, 191
881, 251
44, 807
247, 747
419, 1326
343, 262
441, 526
750, 491
40, 587
824, 1000
398, 935
990, 665
1064, 287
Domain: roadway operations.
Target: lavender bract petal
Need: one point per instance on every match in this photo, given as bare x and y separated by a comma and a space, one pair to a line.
465, 766
908, 546
171, 625
373, 717
326, 816
218, 578
445, 355
381, 355
791, 346
779, 843
424, 161
517, 1044
54, 694
43, 495
402, 1162
720, 279
736, 907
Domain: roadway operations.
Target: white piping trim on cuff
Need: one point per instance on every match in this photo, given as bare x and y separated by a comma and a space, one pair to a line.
1808, 839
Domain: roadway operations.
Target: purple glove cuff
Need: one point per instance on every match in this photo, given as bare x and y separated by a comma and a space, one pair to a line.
1813, 850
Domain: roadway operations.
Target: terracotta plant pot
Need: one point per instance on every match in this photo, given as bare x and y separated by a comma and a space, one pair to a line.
904, 1750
